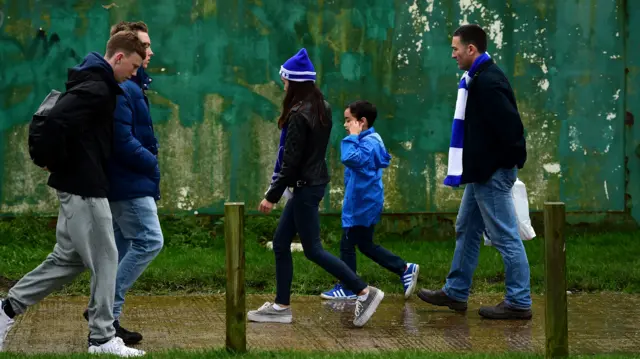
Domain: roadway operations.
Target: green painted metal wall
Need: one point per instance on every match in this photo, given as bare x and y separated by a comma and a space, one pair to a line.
632, 106
216, 90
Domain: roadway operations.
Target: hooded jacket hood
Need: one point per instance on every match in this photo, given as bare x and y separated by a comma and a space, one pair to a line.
93, 64
381, 158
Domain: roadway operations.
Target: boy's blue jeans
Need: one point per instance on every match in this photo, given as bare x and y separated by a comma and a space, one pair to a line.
490, 205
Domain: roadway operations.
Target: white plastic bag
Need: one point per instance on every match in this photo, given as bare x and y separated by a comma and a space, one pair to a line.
288, 194
521, 203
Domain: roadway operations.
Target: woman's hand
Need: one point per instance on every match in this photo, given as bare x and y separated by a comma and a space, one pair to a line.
265, 206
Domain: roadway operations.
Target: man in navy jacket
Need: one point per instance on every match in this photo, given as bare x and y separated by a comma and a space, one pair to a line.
494, 149
134, 179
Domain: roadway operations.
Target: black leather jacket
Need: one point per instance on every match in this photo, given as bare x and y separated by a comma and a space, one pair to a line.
305, 148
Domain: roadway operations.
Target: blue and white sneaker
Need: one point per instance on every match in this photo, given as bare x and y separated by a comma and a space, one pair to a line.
339, 293
410, 279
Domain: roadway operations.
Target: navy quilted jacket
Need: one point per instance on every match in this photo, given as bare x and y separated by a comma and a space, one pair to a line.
133, 168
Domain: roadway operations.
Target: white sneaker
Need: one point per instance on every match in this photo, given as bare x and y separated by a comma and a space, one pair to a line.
116, 346
5, 325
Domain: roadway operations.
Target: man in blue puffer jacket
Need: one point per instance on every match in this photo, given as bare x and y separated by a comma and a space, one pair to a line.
364, 155
134, 179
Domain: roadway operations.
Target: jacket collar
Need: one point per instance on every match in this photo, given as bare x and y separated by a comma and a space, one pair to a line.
142, 79
366, 133
483, 66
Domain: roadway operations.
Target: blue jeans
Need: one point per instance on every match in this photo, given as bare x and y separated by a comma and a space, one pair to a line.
139, 240
300, 215
490, 205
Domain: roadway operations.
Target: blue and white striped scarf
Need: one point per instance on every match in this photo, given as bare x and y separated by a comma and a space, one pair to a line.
454, 170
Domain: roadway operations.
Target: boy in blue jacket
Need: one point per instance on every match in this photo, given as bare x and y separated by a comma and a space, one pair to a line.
364, 155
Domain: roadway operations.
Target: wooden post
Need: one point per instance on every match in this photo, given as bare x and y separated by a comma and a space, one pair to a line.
236, 317
555, 282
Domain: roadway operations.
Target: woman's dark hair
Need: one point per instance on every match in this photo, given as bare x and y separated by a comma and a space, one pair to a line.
303, 91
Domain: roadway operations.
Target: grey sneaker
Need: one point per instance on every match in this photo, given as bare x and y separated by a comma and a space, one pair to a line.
268, 314
365, 309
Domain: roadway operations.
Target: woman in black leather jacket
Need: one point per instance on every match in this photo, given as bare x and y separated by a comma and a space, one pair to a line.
306, 123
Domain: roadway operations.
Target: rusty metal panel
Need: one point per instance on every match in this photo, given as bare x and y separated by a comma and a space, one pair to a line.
216, 90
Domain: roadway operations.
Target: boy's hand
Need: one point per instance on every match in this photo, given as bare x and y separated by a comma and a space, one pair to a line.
355, 127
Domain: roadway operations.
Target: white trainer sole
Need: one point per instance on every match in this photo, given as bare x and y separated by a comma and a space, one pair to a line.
284, 319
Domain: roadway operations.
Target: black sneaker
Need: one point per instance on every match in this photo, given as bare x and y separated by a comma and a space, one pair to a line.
439, 298
503, 311
129, 338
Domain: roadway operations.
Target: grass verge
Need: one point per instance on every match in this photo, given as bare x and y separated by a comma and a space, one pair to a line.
194, 256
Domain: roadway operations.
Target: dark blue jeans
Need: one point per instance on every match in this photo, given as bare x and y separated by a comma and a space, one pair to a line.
301, 216
363, 238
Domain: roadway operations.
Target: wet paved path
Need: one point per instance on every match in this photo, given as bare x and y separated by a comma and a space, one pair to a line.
598, 323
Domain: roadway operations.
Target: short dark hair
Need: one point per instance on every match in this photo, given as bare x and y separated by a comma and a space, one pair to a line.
363, 108
129, 26
127, 42
472, 34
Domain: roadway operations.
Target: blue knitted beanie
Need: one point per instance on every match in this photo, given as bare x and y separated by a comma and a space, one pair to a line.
298, 68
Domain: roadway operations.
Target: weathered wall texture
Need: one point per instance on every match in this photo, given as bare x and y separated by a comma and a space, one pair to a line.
216, 90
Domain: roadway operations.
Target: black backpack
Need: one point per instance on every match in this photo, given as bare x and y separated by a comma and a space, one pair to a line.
38, 151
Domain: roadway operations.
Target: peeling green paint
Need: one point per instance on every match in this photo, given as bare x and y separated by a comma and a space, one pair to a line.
216, 92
